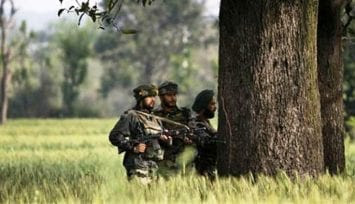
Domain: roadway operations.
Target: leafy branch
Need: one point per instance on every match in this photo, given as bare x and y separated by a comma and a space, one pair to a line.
348, 17
107, 16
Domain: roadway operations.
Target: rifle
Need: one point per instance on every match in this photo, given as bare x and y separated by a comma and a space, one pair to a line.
145, 138
197, 135
154, 151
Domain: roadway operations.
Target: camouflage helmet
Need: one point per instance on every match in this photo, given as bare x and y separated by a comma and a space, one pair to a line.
168, 87
145, 90
202, 100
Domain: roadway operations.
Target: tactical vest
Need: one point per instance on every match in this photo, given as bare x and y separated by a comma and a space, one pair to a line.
151, 126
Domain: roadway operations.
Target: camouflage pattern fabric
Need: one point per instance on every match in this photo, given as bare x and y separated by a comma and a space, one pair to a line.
126, 134
181, 115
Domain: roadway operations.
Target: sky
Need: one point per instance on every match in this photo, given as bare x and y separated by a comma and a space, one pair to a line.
38, 13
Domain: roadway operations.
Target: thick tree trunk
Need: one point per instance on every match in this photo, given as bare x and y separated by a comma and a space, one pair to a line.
269, 111
330, 75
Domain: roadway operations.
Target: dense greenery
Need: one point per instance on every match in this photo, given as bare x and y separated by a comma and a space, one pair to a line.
71, 160
83, 71
349, 77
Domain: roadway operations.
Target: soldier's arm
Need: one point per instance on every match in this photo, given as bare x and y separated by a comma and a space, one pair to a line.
120, 135
200, 131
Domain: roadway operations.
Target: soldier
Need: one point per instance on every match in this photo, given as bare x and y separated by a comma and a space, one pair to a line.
205, 107
169, 109
140, 157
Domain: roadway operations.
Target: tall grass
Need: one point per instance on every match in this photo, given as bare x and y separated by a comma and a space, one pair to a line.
71, 161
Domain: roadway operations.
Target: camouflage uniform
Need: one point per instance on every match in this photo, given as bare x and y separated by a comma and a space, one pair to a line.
126, 134
180, 115
206, 159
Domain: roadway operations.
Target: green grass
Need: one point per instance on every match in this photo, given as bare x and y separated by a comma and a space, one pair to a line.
71, 161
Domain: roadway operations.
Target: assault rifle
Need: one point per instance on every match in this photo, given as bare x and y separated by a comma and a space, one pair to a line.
143, 138
197, 135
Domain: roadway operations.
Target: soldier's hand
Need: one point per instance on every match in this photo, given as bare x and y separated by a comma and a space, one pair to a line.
187, 141
166, 138
140, 148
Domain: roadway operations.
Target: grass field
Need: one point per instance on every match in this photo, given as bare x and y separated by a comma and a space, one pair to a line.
71, 161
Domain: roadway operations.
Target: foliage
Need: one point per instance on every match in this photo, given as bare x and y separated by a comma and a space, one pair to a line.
349, 76
55, 161
107, 16
191, 77
7, 18
157, 51
60, 75
75, 45
350, 125
23, 80
348, 16
51, 68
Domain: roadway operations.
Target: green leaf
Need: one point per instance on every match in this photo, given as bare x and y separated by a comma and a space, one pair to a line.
60, 11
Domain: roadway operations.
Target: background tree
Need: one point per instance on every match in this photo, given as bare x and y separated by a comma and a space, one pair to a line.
349, 59
349, 79
76, 46
170, 35
330, 75
268, 93
165, 28
24, 83
7, 12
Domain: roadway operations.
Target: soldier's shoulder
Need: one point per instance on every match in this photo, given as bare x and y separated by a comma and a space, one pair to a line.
186, 112
129, 113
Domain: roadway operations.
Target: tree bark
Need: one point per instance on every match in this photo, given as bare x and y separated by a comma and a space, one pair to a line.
5, 79
268, 88
5, 71
5, 26
330, 75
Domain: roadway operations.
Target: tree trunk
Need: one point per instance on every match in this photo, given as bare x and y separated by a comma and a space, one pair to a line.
330, 74
268, 93
5, 79
5, 27
5, 72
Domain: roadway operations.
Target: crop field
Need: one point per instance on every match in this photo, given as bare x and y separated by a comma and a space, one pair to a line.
72, 161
